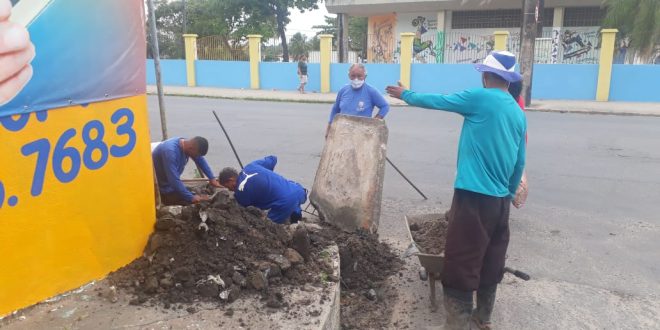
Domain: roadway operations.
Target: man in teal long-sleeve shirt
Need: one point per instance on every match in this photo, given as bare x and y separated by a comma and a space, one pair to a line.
491, 159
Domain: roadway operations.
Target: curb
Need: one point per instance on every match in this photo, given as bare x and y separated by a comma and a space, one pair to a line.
595, 112
292, 100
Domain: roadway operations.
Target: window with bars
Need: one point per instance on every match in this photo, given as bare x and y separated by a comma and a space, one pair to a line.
548, 16
583, 16
483, 19
500, 18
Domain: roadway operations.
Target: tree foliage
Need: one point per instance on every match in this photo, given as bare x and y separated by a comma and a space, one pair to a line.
637, 19
233, 20
299, 45
357, 31
279, 9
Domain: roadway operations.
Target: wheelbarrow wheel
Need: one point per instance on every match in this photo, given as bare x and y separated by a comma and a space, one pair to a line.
423, 274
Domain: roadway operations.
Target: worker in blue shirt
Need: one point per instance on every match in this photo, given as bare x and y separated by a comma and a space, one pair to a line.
358, 98
257, 185
170, 158
491, 158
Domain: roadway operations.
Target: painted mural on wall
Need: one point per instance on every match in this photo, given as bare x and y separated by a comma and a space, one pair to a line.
382, 39
422, 49
461, 47
579, 45
428, 44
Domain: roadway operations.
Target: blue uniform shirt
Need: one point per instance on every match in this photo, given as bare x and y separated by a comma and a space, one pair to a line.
491, 150
169, 163
359, 102
259, 186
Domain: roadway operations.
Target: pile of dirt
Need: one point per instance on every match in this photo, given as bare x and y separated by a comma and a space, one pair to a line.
220, 251
367, 299
217, 252
431, 234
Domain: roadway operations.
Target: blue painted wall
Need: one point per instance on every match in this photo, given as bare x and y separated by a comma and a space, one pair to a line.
565, 81
634, 83
339, 76
284, 76
281, 76
223, 74
173, 72
639, 83
443, 78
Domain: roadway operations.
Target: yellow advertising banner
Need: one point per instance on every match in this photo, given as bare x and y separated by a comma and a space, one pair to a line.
76, 196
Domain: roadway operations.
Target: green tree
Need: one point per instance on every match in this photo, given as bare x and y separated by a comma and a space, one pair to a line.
279, 9
314, 43
637, 19
357, 31
357, 34
330, 27
231, 20
169, 24
298, 45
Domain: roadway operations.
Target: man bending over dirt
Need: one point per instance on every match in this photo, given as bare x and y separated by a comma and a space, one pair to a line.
257, 185
170, 158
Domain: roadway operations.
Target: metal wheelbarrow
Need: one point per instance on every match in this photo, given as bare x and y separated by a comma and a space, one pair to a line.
431, 264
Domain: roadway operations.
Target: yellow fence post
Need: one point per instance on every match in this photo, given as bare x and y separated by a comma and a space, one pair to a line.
500, 40
191, 56
254, 45
605, 66
326, 57
406, 57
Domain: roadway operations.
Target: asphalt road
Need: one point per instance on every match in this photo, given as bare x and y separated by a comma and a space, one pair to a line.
588, 234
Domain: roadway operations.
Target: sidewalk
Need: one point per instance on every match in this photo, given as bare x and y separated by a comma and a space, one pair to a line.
563, 106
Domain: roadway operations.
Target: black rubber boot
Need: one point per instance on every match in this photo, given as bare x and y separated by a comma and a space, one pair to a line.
485, 304
458, 305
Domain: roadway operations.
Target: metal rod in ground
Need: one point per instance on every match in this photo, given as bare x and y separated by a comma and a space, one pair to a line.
228, 139
155, 54
405, 178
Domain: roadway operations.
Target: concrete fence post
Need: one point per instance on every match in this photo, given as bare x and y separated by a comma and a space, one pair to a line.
326, 57
190, 41
406, 57
501, 40
254, 46
605, 65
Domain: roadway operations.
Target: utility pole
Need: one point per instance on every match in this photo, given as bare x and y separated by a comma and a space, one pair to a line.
185, 18
529, 30
156, 56
342, 36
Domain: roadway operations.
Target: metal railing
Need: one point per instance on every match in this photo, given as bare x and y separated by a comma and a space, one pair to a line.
221, 48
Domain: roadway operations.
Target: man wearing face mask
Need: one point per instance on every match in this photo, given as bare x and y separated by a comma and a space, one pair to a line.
358, 98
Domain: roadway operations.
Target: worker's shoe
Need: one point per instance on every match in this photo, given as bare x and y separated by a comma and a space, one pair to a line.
485, 304
458, 305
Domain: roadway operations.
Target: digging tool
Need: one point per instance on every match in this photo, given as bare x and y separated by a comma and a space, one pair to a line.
406, 178
517, 273
228, 139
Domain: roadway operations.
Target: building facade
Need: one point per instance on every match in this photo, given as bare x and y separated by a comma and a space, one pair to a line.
461, 31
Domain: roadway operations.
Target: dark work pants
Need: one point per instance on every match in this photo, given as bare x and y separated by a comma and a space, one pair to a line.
477, 239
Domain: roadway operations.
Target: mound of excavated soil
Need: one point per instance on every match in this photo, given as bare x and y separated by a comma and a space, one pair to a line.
219, 251
430, 235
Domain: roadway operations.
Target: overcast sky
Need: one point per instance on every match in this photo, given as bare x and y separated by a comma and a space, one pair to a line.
303, 22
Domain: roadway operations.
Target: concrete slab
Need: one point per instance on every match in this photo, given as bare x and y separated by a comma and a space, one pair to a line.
348, 186
91, 307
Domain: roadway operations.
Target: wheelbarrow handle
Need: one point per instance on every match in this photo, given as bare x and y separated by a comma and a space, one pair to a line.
517, 273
